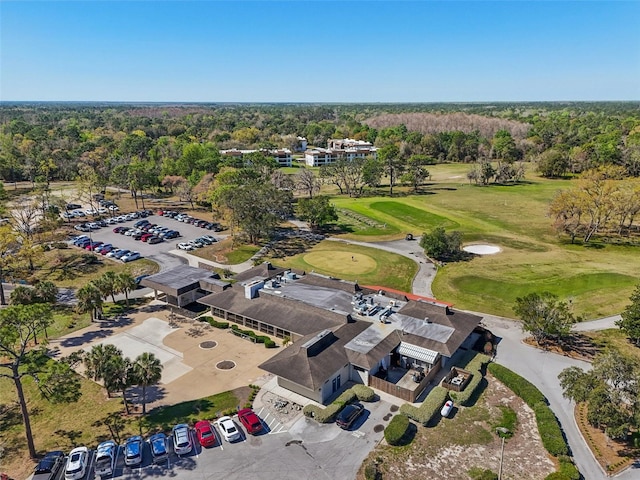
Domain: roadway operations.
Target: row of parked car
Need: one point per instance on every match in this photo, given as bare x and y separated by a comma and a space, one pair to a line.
199, 242
106, 249
183, 217
148, 232
101, 223
77, 462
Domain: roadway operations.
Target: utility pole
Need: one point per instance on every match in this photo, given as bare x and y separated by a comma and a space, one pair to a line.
502, 432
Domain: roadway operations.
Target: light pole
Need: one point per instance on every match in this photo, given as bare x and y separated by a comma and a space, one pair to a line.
502, 432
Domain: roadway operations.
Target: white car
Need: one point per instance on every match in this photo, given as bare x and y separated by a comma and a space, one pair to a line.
91, 211
130, 257
182, 439
102, 210
228, 429
76, 463
105, 458
113, 208
185, 246
446, 408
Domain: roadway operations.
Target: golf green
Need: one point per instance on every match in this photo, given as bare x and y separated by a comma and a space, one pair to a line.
341, 262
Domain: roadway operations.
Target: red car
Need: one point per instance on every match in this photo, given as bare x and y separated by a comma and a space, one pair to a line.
250, 421
92, 245
205, 434
146, 237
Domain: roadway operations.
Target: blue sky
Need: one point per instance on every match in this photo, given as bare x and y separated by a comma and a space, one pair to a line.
325, 51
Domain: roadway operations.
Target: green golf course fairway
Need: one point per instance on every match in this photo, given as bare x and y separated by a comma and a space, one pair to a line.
351, 263
597, 278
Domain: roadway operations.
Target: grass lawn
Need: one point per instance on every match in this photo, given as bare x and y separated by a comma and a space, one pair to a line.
226, 253
73, 268
598, 278
369, 266
616, 339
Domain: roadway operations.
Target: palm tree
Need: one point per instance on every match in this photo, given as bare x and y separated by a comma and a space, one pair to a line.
102, 363
147, 371
22, 295
125, 283
89, 300
107, 285
46, 291
121, 377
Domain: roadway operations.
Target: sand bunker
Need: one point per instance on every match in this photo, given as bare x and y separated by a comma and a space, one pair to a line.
482, 249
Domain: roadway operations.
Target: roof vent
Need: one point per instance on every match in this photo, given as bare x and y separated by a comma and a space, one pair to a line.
427, 320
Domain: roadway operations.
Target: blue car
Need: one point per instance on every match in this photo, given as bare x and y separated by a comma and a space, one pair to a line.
158, 444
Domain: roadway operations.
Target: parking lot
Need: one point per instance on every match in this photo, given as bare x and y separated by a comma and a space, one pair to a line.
307, 450
187, 232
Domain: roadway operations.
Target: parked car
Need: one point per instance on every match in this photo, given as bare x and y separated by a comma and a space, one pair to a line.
159, 451
49, 466
124, 230
105, 458
130, 257
92, 245
206, 241
211, 238
446, 408
76, 463
185, 246
104, 250
172, 234
73, 206
250, 421
155, 239
205, 434
133, 451
113, 252
182, 439
113, 208
117, 229
83, 227
196, 243
146, 237
228, 429
348, 415
139, 223
99, 248
79, 239
139, 278
66, 215
121, 253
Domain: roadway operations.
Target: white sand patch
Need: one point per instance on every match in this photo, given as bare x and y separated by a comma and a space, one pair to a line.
482, 249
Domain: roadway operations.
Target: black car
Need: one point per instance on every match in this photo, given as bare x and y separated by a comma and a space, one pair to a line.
73, 206
49, 466
348, 415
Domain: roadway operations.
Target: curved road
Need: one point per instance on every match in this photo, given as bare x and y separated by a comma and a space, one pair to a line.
538, 366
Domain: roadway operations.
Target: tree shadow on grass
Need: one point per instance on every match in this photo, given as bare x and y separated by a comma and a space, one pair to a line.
85, 338
71, 436
408, 436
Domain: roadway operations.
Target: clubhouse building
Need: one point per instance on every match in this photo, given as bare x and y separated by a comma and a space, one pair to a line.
340, 331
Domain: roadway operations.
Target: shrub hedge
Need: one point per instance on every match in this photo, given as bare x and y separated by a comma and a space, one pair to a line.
268, 343
548, 425
475, 362
550, 431
567, 471
431, 405
396, 429
327, 414
214, 323
364, 393
526, 390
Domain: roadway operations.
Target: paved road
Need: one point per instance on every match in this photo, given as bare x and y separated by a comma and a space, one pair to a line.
539, 367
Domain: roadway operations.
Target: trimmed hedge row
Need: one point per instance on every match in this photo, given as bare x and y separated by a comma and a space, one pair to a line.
214, 323
327, 414
550, 431
268, 343
526, 390
548, 425
364, 393
396, 430
567, 471
431, 405
475, 367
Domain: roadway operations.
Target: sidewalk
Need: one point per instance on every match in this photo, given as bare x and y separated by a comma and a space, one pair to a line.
194, 261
